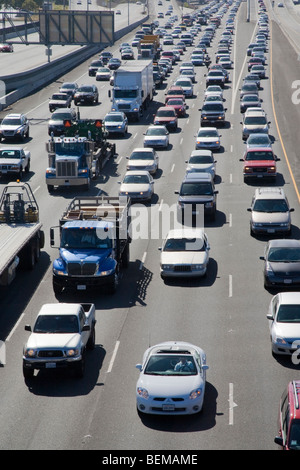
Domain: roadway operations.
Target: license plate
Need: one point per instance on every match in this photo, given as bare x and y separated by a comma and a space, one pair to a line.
287, 281
50, 365
259, 176
168, 407
81, 287
271, 230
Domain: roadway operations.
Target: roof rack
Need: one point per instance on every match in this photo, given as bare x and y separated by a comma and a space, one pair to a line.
296, 389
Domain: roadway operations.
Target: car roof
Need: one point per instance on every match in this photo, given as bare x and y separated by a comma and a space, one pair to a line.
270, 193
289, 297
178, 347
201, 152
285, 242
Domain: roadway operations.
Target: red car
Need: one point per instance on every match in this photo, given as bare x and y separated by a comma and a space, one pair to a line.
174, 92
259, 163
6, 47
166, 116
178, 104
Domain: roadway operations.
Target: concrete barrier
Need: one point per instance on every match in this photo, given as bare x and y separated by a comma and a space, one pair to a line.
19, 85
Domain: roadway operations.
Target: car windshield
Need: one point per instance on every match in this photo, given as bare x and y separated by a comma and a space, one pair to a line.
201, 159
56, 324
184, 244
184, 83
68, 86
284, 254
175, 92
114, 118
11, 122
136, 179
73, 238
173, 102
250, 98
294, 439
270, 205
207, 133
165, 113
171, 364
86, 88
260, 155
196, 189
59, 97
259, 140
288, 313
60, 116
213, 107
214, 89
103, 70
156, 131
255, 120
10, 153
142, 156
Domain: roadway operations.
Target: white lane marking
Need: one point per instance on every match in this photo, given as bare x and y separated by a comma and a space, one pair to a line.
111, 363
173, 166
231, 404
15, 327
230, 286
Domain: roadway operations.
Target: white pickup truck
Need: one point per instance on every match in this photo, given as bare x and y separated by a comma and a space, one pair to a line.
14, 161
60, 337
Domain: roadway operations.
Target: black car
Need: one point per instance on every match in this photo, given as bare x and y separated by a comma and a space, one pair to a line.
213, 113
113, 63
86, 94
93, 67
105, 57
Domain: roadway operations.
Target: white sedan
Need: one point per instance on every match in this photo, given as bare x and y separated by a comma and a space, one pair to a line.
184, 253
156, 136
137, 185
103, 73
284, 323
172, 379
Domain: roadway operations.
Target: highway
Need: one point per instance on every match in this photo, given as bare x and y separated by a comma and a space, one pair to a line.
225, 313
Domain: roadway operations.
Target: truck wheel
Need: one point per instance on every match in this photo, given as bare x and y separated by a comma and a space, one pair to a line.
50, 188
27, 373
57, 288
92, 339
80, 367
112, 287
27, 167
28, 256
125, 257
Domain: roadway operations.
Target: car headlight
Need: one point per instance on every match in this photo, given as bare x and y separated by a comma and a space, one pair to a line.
107, 273
195, 393
279, 340
165, 266
30, 352
142, 392
72, 352
209, 204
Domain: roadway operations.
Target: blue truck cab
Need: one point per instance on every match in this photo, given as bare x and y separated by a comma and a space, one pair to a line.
94, 244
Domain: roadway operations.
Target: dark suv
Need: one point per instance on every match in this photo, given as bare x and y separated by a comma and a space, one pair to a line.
213, 113
197, 193
86, 94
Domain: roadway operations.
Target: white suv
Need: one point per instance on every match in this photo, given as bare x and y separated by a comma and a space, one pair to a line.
14, 126
270, 212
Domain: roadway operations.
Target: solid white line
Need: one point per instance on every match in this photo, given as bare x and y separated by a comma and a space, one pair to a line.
230, 285
119, 160
15, 327
110, 366
36, 189
143, 260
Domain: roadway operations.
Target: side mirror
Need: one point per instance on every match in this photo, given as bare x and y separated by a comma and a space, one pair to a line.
292, 210
249, 209
176, 192
28, 328
278, 440
139, 367
262, 258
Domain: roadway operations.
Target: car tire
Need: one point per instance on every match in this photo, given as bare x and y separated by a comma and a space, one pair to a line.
27, 373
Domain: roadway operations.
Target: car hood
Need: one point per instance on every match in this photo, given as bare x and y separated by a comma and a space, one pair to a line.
88, 255
7, 127
48, 340
258, 163
63, 103
285, 268
169, 385
9, 161
183, 257
134, 187
270, 217
287, 330
140, 163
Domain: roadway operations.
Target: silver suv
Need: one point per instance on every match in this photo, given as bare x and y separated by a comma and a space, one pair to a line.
14, 126
270, 212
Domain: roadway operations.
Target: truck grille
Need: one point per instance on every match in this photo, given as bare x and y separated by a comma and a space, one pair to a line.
66, 169
82, 269
50, 353
124, 107
182, 268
